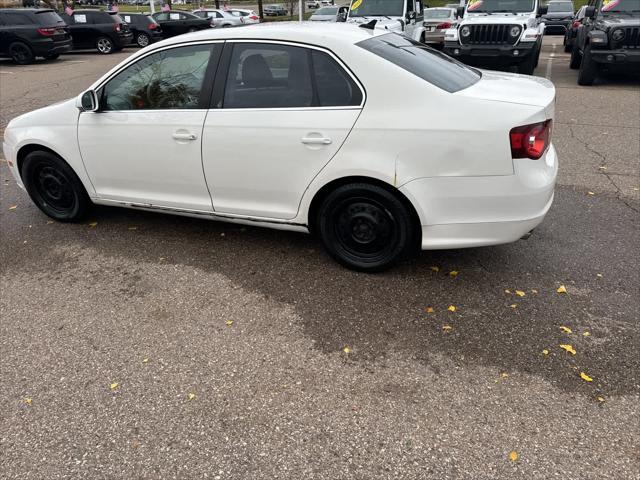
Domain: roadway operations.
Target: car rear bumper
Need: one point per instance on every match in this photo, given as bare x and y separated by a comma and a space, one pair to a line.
556, 25
434, 37
50, 47
482, 54
617, 57
460, 212
123, 39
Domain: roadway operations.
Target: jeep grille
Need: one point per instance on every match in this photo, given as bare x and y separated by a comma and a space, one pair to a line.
489, 35
631, 38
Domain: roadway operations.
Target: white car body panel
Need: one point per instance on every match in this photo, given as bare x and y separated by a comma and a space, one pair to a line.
457, 172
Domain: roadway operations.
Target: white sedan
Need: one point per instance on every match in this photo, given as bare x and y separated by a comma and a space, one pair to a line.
375, 143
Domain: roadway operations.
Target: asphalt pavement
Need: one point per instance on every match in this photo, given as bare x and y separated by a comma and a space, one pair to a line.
139, 345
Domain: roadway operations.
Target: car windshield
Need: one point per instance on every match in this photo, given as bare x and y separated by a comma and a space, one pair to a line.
437, 13
327, 11
48, 18
377, 8
560, 7
629, 7
431, 65
500, 6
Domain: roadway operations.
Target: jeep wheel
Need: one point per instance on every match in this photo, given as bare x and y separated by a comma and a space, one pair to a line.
588, 68
574, 63
529, 65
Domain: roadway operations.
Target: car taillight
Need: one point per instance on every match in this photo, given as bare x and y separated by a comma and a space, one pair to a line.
575, 24
47, 32
153, 26
253, 17
444, 25
530, 141
117, 27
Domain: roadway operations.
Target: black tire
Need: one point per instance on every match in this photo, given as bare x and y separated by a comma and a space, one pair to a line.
529, 65
365, 227
51, 56
567, 48
143, 40
104, 45
574, 63
588, 68
21, 53
54, 187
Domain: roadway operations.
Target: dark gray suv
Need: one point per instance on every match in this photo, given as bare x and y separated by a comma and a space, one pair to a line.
559, 16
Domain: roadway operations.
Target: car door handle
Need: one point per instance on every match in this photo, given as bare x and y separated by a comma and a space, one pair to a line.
184, 136
316, 140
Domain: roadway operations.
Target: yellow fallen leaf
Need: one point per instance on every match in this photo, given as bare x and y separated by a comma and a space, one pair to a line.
507, 291
429, 310
113, 386
513, 456
447, 328
520, 293
585, 334
452, 308
145, 360
561, 289
132, 227
346, 350
602, 167
545, 352
49, 222
514, 305
229, 323
93, 224
568, 348
565, 329
600, 398
435, 269
191, 396
599, 275
533, 290
504, 374
453, 273
28, 401
13, 207
585, 377
591, 193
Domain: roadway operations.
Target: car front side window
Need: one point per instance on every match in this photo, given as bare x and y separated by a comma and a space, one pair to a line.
169, 79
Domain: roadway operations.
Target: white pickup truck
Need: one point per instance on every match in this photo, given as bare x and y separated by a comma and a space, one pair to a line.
498, 33
402, 16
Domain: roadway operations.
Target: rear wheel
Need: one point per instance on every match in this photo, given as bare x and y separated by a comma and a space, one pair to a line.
574, 63
104, 45
365, 227
54, 187
588, 68
21, 53
142, 39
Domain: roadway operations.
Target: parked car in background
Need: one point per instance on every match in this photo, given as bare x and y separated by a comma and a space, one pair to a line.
572, 31
107, 32
330, 14
249, 17
176, 23
607, 39
27, 33
436, 22
219, 18
311, 4
333, 151
144, 28
274, 11
559, 16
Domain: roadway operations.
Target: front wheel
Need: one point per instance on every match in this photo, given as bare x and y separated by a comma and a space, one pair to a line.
54, 187
529, 65
143, 40
365, 227
574, 63
104, 45
588, 68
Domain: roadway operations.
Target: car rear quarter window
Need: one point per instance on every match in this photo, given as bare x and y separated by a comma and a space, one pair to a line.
431, 65
334, 86
48, 18
17, 19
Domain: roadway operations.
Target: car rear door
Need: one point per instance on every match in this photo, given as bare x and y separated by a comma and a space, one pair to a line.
280, 113
144, 144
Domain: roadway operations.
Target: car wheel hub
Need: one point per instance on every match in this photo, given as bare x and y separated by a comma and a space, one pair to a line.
54, 189
364, 228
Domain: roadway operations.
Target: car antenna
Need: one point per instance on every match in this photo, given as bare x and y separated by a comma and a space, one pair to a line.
370, 25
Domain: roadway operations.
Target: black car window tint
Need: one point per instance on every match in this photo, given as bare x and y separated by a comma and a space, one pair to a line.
334, 85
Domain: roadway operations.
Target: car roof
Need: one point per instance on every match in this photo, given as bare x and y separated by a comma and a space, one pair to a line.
326, 34
28, 10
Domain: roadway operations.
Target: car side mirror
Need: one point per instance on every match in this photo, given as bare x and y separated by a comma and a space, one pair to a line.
460, 12
411, 16
590, 12
342, 17
87, 101
543, 9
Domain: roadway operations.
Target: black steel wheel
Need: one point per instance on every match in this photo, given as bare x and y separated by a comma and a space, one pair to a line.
588, 68
21, 53
54, 187
365, 227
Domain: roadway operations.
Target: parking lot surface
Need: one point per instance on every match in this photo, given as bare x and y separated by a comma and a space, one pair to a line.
138, 345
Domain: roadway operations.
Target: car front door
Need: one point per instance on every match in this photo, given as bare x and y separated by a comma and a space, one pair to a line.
165, 23
143, 146
284, 112
80, 29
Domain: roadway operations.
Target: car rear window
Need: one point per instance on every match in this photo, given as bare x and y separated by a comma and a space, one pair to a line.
560, 7
48, 18
440, 13
425, 62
